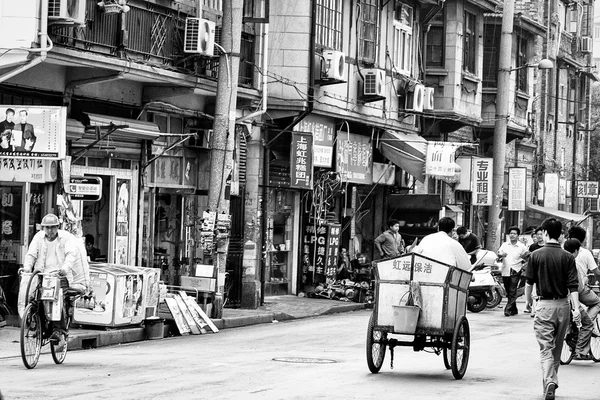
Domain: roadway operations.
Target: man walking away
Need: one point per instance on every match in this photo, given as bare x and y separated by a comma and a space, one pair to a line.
513, 254
553, 270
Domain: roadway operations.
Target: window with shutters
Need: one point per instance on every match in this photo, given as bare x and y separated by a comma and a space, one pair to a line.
469, 43
329, 24
403, 38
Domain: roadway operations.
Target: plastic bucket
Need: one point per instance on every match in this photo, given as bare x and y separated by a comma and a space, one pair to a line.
405, 319
155, 328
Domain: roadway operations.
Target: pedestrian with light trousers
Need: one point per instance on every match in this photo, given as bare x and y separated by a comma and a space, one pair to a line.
513, 254
554, 273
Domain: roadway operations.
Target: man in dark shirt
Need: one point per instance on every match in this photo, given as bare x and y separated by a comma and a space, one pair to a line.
469, 242
554, 272
538, 239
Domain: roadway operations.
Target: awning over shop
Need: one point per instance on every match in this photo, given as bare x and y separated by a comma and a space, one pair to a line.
135, 131
408, 151
431, 202
549, 212
453, 208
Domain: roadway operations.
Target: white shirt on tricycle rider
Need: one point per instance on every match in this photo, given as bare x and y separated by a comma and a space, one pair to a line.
515, 253
441, 247
69, 253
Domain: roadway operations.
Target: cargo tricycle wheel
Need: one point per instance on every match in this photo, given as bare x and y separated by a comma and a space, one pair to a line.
375, 346
446, 358
461, 342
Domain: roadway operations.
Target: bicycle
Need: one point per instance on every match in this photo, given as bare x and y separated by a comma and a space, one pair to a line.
568, 351
42, 310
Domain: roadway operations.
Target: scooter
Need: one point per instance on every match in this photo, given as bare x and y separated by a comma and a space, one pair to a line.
484, 289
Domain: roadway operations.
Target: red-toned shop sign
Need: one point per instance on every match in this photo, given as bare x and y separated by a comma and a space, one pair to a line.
301, 165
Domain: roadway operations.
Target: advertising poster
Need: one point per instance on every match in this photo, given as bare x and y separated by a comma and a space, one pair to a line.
354, 158
517, 178
121, 238
97, 309
32, 170
37, 132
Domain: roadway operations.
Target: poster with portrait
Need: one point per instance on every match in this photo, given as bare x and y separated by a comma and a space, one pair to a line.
33, 132
122, 224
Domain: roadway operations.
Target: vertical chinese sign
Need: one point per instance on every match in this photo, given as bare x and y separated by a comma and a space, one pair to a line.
551, 194
301, 164
11, 213
122, 236
354, 158
517, 178
322, 132
482, 181
333, 243
319, 251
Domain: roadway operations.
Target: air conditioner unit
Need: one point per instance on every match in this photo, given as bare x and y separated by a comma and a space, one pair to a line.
428, 98
200, 140
586, 44
414, 99
374, 83
67, 12
199, 37
333, 65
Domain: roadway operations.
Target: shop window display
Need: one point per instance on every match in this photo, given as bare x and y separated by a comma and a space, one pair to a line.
278, 244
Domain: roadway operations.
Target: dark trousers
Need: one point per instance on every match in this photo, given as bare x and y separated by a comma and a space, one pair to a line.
510, 284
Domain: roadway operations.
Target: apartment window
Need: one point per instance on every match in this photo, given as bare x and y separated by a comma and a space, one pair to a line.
368, 37
470, 43
521, 60
435, 42
491, 50
597, 32
329, 24
403, 39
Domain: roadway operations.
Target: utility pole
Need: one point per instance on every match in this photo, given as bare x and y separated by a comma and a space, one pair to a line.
499, 140
221, 155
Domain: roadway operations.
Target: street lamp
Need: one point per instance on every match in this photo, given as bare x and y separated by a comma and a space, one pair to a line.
543, 64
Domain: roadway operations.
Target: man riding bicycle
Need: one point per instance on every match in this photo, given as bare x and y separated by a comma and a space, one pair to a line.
54, 249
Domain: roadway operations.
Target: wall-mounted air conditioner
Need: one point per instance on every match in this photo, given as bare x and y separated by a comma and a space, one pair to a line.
586, 44
200, 140
67, 12
415, 99
199, 37
333, 65
374, 83
428, 98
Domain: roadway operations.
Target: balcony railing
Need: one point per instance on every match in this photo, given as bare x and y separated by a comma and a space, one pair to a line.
149, 34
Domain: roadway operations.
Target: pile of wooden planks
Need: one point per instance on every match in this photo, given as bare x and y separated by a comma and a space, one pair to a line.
189, 317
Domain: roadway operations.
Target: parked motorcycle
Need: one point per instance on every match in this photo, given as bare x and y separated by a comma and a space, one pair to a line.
485, 290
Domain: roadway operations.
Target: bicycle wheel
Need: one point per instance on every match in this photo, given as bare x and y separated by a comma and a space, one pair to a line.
375, 346
59, 350
595, 341
31, 336
567, 353
461, 342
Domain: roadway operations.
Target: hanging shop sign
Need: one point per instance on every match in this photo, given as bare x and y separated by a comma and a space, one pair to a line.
322, 133
85, 188
333, 244
551, 193
562, 191
354, 158
517, 178
11, 214
33, 132
482, 181
301, 165
440, 159
28, 170
587, 189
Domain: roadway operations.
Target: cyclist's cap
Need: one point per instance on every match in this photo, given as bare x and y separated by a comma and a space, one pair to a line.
50, 220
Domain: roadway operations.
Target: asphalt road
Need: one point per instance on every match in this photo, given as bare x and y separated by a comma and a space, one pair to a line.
314, 358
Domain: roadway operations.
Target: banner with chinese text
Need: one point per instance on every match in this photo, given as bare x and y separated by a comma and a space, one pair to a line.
551, 190
440, 159
587, 189
301, 162
354, 158
322, 132
33, 132
517, 179
482, 181
32, 170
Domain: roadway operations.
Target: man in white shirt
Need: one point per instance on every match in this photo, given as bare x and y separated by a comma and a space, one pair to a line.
441, 247
513, 254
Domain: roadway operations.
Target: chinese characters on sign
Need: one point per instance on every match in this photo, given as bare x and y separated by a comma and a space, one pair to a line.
333, 243
551, 186
482, 181
322, 132
354, 158
167, 170
440, 159
301, 161
517, 177
28, 170
319, 251
587, 189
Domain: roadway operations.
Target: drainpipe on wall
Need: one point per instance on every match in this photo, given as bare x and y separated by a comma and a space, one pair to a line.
296, 121
45, 45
